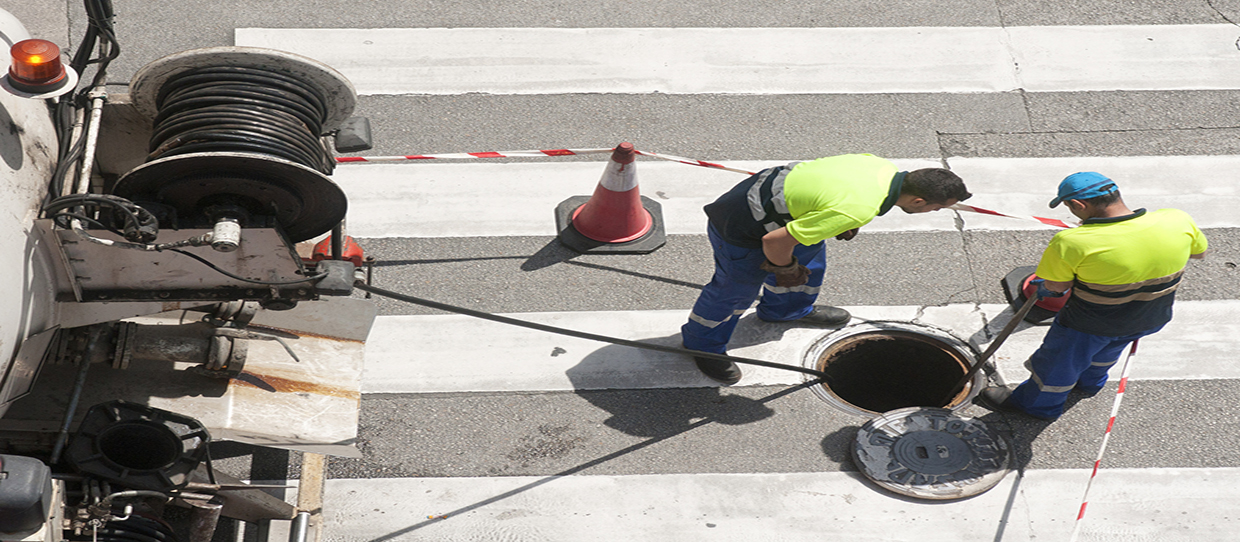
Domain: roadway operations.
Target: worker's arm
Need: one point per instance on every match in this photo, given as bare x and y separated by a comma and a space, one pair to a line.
1058, 286
1050, 288
777, 246
1200, 256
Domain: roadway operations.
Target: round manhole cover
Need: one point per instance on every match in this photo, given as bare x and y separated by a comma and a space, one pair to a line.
931, 453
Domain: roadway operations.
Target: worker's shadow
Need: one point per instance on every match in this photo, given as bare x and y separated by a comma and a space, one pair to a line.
658, 394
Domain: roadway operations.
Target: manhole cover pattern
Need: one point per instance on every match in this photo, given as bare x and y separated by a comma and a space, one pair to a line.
931, 453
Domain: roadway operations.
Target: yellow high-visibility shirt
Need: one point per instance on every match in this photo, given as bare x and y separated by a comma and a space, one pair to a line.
829, 196
1124, 270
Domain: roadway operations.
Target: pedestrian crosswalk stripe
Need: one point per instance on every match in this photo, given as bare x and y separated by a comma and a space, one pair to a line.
768, 60
1128, 504
389, 200
451, 353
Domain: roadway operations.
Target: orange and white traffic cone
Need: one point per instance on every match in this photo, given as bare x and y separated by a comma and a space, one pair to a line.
617, 218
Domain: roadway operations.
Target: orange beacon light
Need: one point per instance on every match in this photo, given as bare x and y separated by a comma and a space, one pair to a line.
36, 70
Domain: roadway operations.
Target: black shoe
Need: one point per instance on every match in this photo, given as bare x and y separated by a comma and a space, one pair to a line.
826, 316
724, 372
996, 398
820, 316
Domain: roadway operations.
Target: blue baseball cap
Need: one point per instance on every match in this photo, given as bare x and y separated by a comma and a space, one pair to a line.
1084, 185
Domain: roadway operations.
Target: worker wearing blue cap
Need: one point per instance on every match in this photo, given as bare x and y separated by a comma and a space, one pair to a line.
1123, 268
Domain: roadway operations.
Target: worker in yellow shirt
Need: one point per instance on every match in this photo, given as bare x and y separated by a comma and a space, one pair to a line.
1123, 268
767, 234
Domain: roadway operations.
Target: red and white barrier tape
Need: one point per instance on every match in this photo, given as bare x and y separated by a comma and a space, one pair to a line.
690, 161
1048, 221
528, 154
472, 155
1119, 396
693, 162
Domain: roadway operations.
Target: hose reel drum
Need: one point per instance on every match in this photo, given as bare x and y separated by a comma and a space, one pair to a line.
238, 140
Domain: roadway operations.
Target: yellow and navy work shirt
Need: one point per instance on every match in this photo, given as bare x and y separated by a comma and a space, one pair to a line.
1124, 270
815, 200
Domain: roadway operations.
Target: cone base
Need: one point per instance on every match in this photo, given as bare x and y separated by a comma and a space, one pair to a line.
1013, 285
571, 238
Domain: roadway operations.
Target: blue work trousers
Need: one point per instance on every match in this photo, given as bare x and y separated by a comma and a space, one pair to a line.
737, 283
1068, 359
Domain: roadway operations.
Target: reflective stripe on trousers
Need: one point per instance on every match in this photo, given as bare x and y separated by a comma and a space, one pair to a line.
737, 283
1068, 359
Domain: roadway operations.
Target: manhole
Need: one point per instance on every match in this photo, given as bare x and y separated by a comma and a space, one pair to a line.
878, 367
931, 453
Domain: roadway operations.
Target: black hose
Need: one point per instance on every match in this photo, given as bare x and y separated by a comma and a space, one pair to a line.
99, 14
135, 528
140, 225
581, 334
234, 276
241, 109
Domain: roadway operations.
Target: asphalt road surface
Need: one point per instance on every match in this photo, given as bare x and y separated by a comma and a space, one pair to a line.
477, 431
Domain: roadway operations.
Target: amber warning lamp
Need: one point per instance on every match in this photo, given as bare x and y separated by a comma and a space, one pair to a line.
35, 70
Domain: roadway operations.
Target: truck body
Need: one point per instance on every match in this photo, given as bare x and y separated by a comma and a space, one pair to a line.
156, 299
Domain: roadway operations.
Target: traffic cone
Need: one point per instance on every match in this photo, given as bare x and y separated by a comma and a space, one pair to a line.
617, 218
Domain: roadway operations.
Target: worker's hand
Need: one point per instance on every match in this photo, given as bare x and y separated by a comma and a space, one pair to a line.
1043, 291
793, 274
848, 235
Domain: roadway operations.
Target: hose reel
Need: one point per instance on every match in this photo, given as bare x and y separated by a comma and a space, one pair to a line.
238, 140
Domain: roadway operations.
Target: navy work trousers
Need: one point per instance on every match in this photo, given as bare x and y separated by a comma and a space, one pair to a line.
1068, 359
737, 283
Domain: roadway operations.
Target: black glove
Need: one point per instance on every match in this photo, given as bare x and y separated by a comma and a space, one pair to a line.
793, 274
848, 235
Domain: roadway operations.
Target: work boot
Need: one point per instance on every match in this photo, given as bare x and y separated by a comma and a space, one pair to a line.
995, 398
826, 316
823, 316
724, 372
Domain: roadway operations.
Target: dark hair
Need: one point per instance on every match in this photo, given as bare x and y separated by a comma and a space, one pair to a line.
935, 185
1104, 200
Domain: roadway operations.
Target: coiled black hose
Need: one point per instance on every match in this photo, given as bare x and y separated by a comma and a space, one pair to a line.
241, 109
140, 226
134, 529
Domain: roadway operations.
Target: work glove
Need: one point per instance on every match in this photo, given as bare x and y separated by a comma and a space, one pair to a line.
793, 274
1043, 292
848, 235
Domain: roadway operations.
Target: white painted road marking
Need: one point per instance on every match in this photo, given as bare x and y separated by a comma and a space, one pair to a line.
430, 199
768, 60
1167, 505
452, 353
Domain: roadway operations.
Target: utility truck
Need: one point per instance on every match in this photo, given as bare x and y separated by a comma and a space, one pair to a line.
155, 299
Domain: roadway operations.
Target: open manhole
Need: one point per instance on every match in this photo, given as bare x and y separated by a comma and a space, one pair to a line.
902, 377
878, 367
